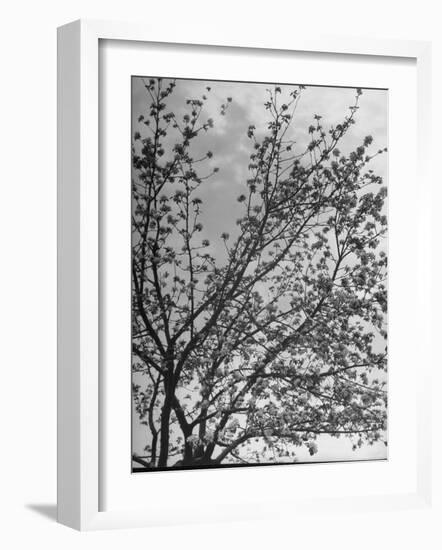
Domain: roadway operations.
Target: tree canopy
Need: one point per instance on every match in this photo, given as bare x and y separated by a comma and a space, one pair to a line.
245, 356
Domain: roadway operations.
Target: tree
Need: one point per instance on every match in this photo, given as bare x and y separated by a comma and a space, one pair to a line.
246, 356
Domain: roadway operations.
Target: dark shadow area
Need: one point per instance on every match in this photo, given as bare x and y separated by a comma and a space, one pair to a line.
48, 511
137, 469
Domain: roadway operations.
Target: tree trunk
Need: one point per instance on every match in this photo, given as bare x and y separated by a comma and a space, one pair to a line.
165, 420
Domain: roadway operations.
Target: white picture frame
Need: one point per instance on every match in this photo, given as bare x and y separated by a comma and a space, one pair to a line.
79, 448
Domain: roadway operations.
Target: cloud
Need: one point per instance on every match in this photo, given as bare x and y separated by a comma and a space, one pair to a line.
231, 147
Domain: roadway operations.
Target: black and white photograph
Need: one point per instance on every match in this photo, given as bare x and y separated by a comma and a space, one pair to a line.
222, 299
259, 273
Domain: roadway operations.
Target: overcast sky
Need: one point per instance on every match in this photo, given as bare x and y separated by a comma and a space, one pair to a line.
231, 149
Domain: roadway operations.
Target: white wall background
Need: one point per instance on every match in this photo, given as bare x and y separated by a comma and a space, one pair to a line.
28, 268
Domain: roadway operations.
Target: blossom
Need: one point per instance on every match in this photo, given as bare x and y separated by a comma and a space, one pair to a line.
193, 440
312, 447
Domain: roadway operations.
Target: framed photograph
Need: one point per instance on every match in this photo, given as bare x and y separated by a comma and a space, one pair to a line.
234, 256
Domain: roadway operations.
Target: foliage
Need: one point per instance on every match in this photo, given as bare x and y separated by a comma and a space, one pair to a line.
245, 357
